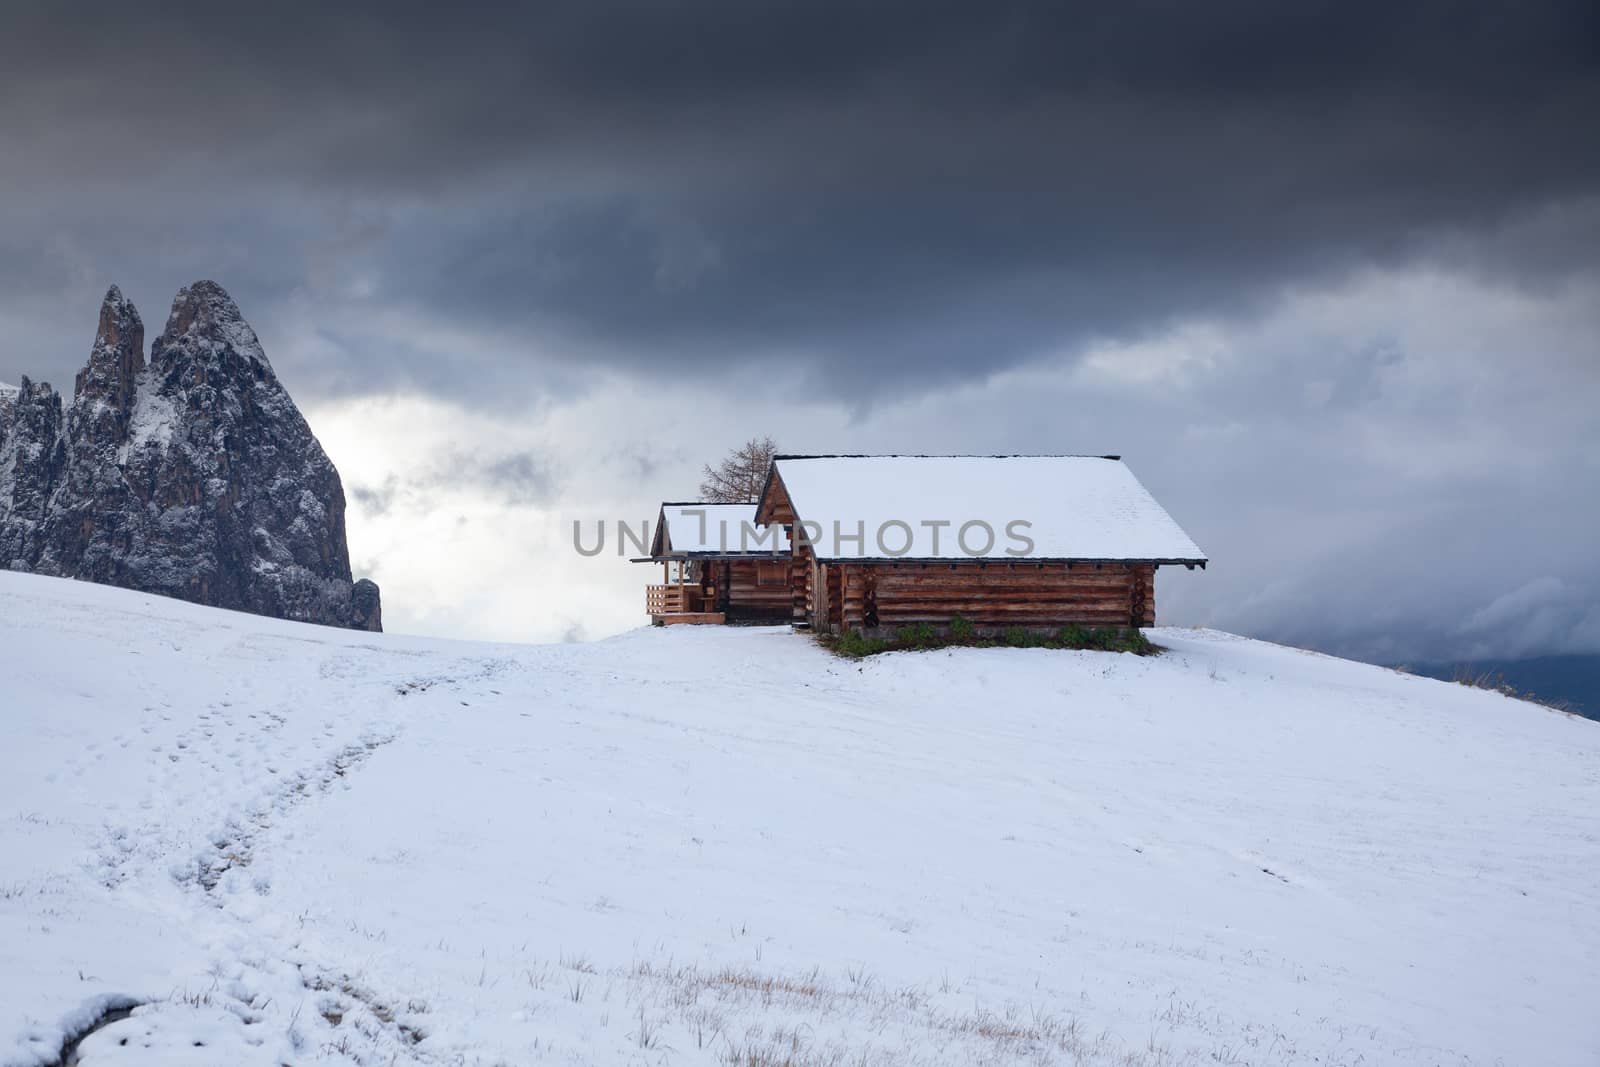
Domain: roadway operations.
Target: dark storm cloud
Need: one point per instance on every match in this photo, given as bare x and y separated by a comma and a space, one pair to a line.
872, 188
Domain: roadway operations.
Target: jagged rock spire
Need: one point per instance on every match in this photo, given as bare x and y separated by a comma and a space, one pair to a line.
104, 391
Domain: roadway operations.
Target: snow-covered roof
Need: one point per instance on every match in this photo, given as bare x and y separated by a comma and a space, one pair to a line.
915, 507
701, 529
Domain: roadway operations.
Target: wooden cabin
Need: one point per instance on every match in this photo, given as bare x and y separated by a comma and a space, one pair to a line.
880, 542
718, 566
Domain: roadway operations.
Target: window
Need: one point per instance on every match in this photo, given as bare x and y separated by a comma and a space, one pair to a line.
775, 572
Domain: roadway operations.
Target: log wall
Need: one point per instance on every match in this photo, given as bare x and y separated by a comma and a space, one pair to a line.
878, 597
746, 599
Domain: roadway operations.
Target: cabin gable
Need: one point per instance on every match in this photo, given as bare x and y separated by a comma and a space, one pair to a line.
774, 508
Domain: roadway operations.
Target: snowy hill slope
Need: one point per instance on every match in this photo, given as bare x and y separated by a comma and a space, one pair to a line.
293, 844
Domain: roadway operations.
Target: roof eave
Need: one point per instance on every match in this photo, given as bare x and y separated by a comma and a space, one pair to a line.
678, 556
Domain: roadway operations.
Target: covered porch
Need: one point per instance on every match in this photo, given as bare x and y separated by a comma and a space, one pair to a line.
681, 597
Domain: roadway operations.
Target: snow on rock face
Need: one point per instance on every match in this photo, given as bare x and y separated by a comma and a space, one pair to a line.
205, 326
8, 404
32, 457
157, 477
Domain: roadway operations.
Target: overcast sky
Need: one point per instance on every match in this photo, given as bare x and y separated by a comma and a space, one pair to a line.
1329, 282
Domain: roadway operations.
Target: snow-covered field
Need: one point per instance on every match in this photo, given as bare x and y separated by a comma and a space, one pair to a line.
717, 846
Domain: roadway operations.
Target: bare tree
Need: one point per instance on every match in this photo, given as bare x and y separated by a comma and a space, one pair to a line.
738, 479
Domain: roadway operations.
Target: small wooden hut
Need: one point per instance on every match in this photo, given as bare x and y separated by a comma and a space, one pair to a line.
718, 565
880, 542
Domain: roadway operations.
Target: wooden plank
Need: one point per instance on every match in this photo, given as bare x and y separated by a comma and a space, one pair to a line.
1118, 596
970, 592
699, 618
973, 608
976, 611
1050, 620
1116, 592
1005, 580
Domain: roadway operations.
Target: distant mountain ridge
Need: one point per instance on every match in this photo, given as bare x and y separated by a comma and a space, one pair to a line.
193, 475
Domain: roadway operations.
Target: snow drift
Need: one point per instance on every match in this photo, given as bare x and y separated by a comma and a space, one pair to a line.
292, 844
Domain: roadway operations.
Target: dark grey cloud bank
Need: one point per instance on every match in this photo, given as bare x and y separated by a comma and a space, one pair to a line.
879, 201
945, 188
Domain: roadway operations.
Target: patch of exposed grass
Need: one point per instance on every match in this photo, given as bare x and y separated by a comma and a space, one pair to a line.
854, 645
1496, 682
961, 633
747, 1018
919, 635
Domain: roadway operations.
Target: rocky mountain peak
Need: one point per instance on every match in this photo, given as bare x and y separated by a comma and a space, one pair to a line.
205, 326
193, 476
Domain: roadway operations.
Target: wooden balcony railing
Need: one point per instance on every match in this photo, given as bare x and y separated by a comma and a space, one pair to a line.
673, 599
